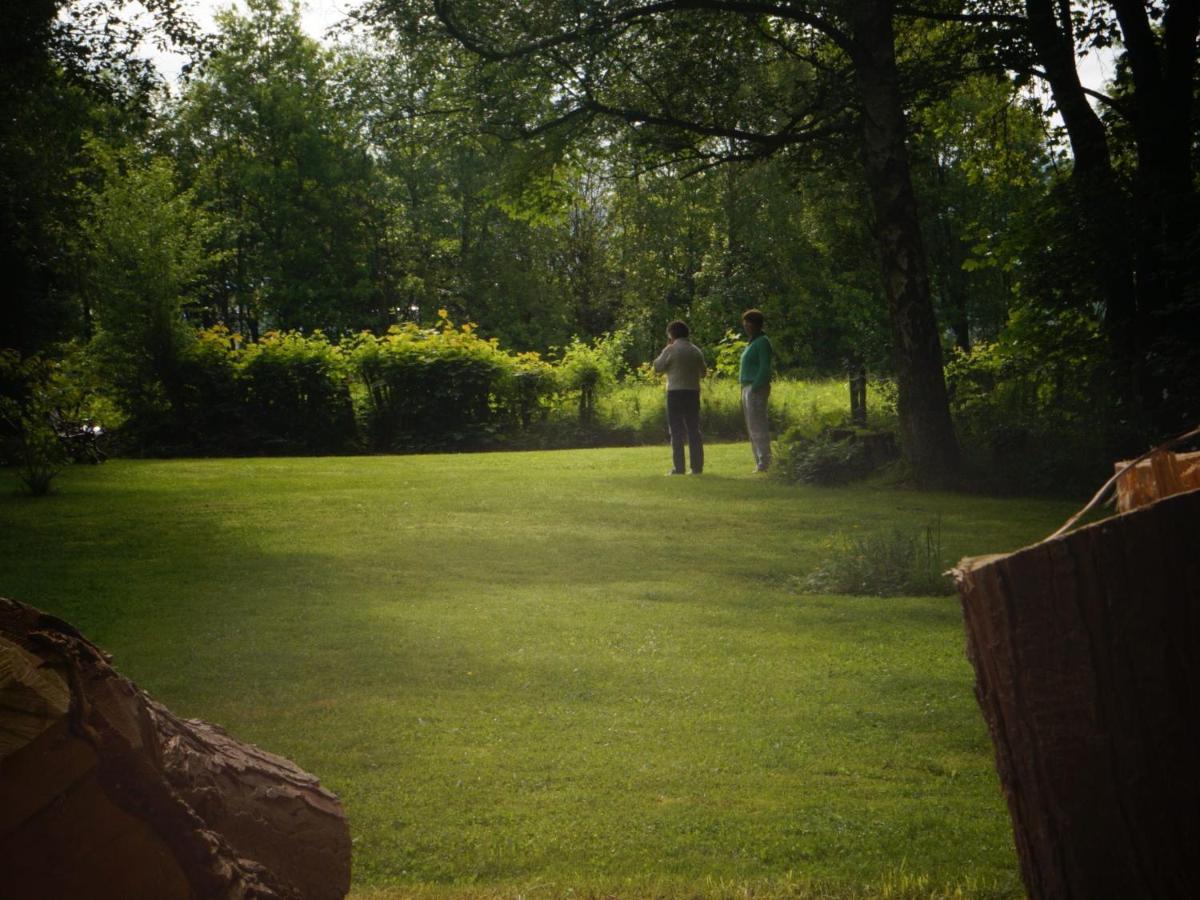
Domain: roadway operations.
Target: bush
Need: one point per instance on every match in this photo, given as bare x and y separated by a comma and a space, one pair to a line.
1032, 418
887, 564
729, 354
210, 409
825, 459
528, 391
33, 395
590, 370
296, 393
434, 389
441, 387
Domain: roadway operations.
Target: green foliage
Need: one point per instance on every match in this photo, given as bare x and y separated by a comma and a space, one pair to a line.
729, 354
591, 370
820, 460
442, 387
532, 384
147, 241
210, 412
297, 393
981, 164
1029, 408
33, 395
885, 564
275, 153
74, 73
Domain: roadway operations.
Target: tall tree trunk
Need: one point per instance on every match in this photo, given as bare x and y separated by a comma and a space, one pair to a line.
1096, 188
927, 434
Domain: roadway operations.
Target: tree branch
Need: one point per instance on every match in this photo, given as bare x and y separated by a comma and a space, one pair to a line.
600, 24
910, 11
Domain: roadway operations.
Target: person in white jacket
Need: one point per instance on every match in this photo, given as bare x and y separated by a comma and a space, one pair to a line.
684, 366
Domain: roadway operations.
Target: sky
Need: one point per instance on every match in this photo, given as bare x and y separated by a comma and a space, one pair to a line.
316, 16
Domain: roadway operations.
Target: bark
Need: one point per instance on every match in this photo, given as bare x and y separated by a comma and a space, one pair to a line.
106, 794
927, 433
1085, 655
1099, 194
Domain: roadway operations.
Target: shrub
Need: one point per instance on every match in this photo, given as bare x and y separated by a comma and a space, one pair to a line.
590, 370
33, 394
1031, 417
210, 409
887, 564
440, 387
821, 460
729, 354
527, 394
297, 396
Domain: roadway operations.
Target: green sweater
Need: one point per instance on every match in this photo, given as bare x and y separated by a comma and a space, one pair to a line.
755, 366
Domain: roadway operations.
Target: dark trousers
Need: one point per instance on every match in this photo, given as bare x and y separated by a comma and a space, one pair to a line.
683, 415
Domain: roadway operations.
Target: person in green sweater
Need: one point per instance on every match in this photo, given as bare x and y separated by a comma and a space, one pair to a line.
754, 373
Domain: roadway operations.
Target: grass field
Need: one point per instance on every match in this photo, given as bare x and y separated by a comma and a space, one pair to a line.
556, 673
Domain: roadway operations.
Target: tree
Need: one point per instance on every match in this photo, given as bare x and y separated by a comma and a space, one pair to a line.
703, 81
1142, 229
149, 252
496, 233
982, 171
70, 69
283, 166
922, 403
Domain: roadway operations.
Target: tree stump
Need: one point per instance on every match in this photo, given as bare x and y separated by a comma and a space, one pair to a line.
1085, 655
104, 793
1162, 474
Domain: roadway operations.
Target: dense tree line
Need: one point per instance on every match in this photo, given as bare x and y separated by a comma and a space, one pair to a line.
878, 177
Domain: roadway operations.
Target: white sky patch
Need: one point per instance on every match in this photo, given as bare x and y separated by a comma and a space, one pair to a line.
316, 17
1097, 68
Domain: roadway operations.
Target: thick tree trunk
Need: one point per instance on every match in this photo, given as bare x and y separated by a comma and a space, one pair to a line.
1086, 651
927, 433
105, 794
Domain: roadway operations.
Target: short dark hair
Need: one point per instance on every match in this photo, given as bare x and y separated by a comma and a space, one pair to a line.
678, 329
754, 317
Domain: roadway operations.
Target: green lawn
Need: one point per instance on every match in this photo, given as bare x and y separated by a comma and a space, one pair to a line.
552, 673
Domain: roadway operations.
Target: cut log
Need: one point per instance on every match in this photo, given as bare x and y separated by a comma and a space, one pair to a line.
1085, 654
1160, 475
104, 793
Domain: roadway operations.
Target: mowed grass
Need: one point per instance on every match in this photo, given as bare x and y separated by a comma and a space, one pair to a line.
553, 673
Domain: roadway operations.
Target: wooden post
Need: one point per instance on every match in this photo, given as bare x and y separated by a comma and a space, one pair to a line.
1085, 649
858, 395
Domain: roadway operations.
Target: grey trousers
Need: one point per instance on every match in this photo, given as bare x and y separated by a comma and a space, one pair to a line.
754, 407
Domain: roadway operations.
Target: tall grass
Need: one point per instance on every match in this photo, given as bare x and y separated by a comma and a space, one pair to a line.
637, 409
